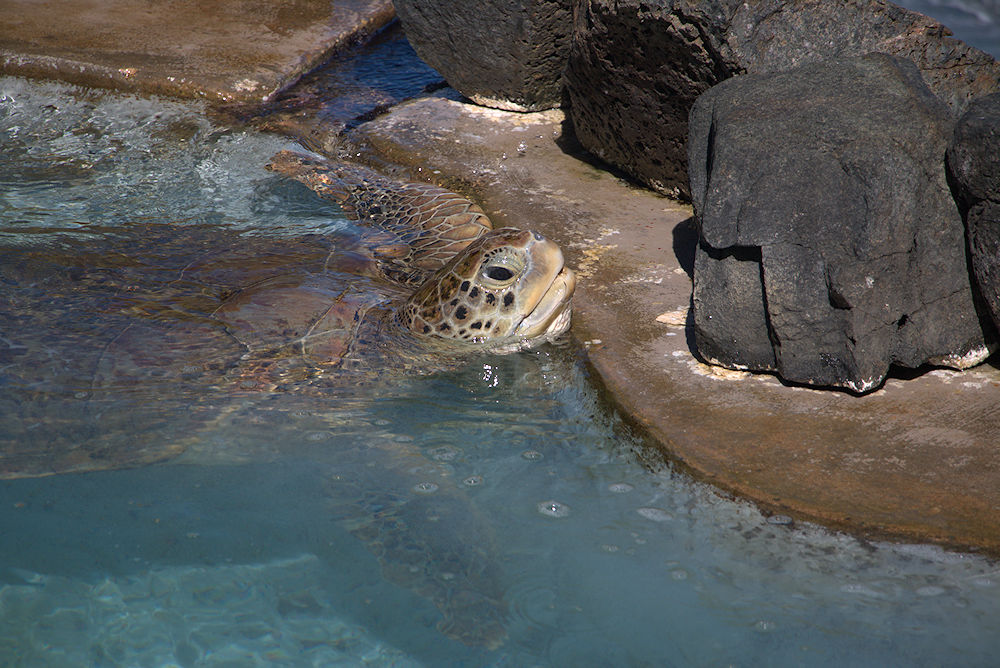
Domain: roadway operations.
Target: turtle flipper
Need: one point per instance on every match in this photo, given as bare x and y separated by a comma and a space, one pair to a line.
428, 225
428, 537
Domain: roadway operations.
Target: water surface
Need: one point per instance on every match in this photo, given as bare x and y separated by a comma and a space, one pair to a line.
975, 22
356, 524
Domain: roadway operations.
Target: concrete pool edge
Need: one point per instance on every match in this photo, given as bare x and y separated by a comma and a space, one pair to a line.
914, 461
242, 54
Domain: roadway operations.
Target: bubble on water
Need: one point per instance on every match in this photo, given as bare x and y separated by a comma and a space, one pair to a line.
861, 590
425, 488
620, 487
381, 422
553, 509
679, 574
473, 481
402, 438
444, 453
655, 514
780, 520
609, 547
532, 455
318, 436
765, 626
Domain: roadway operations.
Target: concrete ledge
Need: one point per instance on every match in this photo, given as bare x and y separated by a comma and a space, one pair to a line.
917, 460
231, 52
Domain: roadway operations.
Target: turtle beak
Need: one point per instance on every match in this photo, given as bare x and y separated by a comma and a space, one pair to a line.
551, 317
551, 314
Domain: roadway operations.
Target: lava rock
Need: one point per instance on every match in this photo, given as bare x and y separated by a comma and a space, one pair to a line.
729, 297
634, 70
832, 175
974, 167
636, 66
507, 54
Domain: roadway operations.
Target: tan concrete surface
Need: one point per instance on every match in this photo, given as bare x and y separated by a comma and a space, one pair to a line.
230, 51
919, 459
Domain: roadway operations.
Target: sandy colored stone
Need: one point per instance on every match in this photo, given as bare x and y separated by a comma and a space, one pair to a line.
226, 51
917, 460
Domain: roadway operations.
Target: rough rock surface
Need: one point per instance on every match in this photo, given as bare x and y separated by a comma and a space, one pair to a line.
974, 165
507, 54
636, 66
830, 245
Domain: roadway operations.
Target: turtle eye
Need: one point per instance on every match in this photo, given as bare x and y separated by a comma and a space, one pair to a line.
495, 275
501, 268
500, 274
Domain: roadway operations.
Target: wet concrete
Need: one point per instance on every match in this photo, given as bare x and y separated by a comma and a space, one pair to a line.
239, 52
917, 460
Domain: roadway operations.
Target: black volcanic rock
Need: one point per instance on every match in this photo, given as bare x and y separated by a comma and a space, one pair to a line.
831, 246
974, 165
636, 66
507, 54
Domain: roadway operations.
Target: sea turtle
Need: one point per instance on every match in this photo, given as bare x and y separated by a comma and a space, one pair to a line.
455, 285
172, 310
121, 351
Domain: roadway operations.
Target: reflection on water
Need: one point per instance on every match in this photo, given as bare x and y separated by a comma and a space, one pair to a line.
351, 87
975, 22
493, 514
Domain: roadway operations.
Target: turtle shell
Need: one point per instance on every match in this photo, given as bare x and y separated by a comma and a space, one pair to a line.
108, 349
129, 352
92, 334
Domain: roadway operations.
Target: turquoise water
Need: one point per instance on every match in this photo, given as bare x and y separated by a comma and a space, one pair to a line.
495, 514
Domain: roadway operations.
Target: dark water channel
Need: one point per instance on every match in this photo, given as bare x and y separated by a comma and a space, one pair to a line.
494, 514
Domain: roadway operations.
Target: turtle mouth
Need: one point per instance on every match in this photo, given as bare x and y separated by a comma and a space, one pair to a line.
551, 315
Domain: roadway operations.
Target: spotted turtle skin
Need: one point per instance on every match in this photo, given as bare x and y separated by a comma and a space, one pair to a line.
476, 288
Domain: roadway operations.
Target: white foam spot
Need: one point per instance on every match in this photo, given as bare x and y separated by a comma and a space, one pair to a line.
655, 514
425, 487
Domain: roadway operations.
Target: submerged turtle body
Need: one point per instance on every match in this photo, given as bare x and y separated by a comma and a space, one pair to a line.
123, 352
429, 285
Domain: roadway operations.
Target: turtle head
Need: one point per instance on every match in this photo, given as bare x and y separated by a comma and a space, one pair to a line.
507, 291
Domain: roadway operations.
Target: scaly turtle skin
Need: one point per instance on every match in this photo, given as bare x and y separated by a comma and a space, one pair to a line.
121, 352
479, 289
